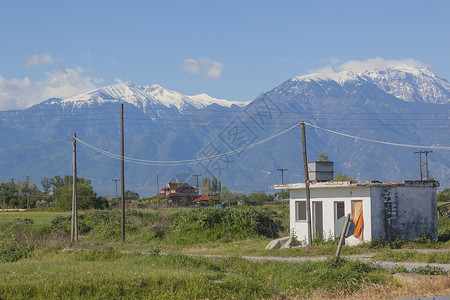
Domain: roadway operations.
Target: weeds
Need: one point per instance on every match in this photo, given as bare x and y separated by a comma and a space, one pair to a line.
13, 252
103, 254
216, 224
428, 270
109, 274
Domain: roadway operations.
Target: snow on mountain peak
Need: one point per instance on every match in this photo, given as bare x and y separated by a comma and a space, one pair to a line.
340, 77
206, 100
411, 84
143, 96
403, 81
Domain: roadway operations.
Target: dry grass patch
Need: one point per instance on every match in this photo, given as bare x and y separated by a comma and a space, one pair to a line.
419, 286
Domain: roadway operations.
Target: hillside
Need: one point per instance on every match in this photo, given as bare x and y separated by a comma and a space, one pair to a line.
392, 105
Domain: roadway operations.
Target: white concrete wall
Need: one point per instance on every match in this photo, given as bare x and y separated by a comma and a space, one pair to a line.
328, 196
407, 212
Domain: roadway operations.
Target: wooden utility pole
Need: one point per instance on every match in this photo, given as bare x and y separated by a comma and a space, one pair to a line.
342, 239
198, 190
426, 162
122, 172
157, 191
308, 196
74, 231
282, 181
116, 180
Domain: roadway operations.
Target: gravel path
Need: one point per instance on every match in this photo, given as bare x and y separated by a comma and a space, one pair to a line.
364, 258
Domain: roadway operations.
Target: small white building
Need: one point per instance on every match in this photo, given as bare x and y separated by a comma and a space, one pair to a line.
405, 209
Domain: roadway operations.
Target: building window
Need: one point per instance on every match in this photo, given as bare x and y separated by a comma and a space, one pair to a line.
339, 211
300, 211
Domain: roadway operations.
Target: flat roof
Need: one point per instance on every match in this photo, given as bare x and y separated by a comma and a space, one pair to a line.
344, 184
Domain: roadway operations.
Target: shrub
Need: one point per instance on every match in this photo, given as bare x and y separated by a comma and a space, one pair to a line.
230, 223
14, 251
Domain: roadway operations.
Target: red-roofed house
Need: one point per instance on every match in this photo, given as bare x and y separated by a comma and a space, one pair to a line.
204, 200
176, 192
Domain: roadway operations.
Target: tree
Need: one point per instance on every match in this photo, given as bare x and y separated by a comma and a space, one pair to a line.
323, 156
23, 194
46, 184
229, 197
344, 177
258, 197
214, 186
86, 196
131, 195
443, 196
206, 186
284, 194
26, 189
57, 181
101, 203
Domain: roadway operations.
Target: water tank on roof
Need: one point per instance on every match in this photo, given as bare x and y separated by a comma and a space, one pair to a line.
320, 170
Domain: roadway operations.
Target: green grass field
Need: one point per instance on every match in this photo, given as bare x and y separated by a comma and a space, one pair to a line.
107, 274
37, 259
38, 217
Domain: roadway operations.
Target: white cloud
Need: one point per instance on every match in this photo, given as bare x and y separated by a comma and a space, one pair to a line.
18, 93
86, 55
371, 64
378, 63
205, 67
39, 60
326, 69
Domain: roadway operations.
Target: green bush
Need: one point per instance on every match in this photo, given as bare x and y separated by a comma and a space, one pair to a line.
213, 224
14, 251
106, 224
443, 229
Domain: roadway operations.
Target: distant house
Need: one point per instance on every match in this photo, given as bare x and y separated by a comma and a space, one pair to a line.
405, 209
176, 192
204, 200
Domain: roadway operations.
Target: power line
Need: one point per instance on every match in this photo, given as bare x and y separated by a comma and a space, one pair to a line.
380, 142
34, 143
183, 162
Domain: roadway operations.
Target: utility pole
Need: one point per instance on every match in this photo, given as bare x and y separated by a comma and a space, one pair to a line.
426, 162
122, 172
157, 191
198, 190
115, 180
74, 231
282, 181
308, 195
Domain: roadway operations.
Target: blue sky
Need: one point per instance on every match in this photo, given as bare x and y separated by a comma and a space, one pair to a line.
229, 49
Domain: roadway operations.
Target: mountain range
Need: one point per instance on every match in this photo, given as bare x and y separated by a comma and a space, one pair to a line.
167, 133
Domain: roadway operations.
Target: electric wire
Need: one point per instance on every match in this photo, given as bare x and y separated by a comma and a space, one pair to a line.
188, 161
34, 143
379, 142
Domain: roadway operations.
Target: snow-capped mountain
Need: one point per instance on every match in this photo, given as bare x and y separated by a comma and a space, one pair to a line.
412, 85
408, 84
144, 97
408, 106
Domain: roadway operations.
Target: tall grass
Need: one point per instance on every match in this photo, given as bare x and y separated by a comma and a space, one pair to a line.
216, 224
240, 230
38, 217
107, 274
